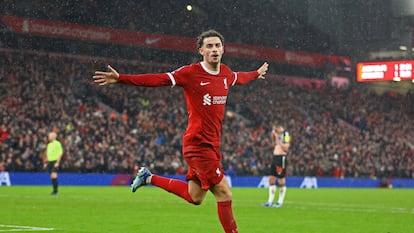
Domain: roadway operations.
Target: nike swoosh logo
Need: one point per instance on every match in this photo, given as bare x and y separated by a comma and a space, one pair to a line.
204, 83
152, 41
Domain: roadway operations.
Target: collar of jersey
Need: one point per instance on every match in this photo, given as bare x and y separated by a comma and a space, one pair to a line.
210, 71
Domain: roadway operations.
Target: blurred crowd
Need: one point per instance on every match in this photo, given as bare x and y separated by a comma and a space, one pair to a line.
113, 129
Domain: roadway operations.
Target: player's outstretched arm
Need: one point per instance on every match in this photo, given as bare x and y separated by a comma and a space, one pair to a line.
262, 70
103, 78
245, 77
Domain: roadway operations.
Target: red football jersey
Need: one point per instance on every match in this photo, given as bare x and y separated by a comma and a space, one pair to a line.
205, 93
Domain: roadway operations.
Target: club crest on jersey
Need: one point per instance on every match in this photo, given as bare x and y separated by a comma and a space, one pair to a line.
225, 83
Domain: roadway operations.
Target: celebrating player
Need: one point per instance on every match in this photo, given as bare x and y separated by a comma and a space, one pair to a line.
206, 85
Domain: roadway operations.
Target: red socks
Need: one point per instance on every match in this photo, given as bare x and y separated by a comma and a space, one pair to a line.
178, 187
226, 217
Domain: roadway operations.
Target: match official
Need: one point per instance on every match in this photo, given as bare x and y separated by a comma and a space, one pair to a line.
54, 153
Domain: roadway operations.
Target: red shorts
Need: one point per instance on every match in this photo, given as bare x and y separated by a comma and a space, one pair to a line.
204, 165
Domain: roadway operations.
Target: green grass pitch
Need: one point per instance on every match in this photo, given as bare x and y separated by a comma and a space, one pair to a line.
152, 210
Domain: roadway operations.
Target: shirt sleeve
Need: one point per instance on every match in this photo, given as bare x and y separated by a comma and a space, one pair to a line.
244, 77
147, 80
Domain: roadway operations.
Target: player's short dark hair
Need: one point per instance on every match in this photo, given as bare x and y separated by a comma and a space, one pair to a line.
206, 34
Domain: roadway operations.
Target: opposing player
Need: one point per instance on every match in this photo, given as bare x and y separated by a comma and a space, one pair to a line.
281, 142
206, 85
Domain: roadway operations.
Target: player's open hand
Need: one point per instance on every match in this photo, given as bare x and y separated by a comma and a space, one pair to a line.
103, 78
262, 70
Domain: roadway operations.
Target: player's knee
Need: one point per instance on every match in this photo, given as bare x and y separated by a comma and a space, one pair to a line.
223, 194
272, 180
197, 201
196, 198
229, 195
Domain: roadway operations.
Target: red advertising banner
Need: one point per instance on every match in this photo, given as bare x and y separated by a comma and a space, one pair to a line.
48, 28
385, 71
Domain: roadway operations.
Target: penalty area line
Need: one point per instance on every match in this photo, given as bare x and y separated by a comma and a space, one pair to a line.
15, 228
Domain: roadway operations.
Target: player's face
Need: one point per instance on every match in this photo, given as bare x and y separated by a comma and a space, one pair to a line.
212, 50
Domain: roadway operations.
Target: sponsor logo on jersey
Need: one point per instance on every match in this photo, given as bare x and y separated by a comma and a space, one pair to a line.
219, 99
204, 83
209, 100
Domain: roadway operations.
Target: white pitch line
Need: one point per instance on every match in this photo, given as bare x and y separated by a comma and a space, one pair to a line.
14, 228
352, 208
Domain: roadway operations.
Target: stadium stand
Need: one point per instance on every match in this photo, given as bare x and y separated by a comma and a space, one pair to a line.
46, 84
342, 132
288, 30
